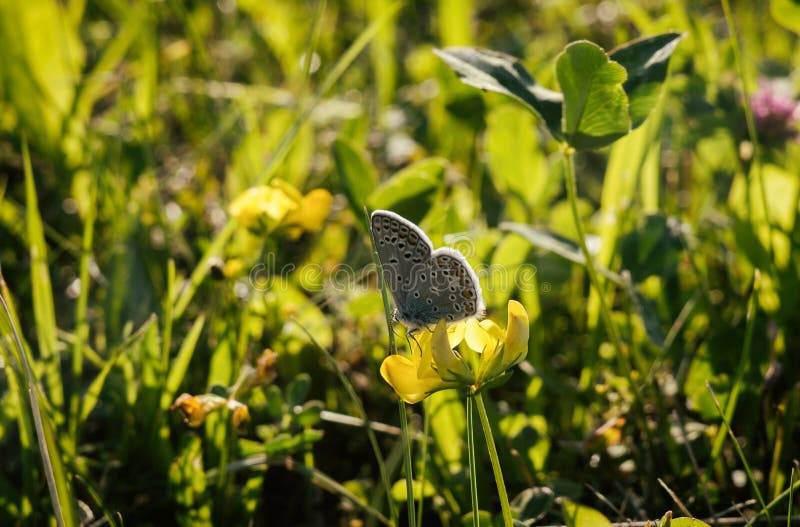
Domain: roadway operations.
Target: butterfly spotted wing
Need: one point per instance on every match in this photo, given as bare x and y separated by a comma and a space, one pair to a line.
426, 285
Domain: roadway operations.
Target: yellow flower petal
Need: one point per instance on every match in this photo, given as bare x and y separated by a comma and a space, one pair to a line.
240, 414
312, 212
456, 332
195, 408
287, 188
477, 337
492, 329
517, 334
449, 365
262, 203
401, 374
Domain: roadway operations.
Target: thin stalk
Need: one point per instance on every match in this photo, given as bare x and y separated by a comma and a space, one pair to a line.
412, 521
591, 270
779, 498
166, 336
81, 323
742, 368
406, 438
473, 477
498, 473
426, 428
791, 487
61, 496
572, 196
740, 453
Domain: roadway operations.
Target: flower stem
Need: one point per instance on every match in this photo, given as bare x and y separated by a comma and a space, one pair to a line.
426, 432
572, 196
605, 310
498, 473
473, 476
412, 521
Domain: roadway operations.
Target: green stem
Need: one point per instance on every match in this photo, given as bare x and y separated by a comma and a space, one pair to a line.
572, 196
412, 522
498, 473
426, 430
473, 476
81, 322
750, 477
605, 310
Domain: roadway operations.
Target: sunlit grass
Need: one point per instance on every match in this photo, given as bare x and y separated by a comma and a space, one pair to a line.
182, 225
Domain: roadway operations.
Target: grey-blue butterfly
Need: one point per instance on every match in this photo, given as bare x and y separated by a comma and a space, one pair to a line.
427, 285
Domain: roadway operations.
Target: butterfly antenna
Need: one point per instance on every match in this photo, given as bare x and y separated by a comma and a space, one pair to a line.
410, 336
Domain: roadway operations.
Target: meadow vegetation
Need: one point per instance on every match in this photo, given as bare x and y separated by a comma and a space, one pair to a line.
194, 330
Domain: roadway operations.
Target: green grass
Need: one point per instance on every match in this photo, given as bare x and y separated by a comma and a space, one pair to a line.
656, 361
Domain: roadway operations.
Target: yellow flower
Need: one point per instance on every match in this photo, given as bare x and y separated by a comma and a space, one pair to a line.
240, 414
470, 354
266, 367
267, 207
311, 213
195, 408
261, 207
414, 378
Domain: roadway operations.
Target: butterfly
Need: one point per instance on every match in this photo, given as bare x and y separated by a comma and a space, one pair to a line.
427, 285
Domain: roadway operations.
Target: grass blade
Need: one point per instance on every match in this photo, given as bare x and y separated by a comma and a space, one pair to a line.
58, 484
92, 395
179, 366
43, 307
81, 323
741, 369
742, 458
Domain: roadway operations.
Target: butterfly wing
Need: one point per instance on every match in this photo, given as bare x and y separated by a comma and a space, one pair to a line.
404, 251
426, 285
454, 286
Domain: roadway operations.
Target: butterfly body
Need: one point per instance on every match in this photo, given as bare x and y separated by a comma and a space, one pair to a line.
427, 285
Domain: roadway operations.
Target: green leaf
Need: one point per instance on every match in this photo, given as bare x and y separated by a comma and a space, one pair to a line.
42, 56
188, 484
501, 73
786, 13
59, 484
284, 444
448, 422
550, 241
42, 290
517, 162
595, 105
503, 276
274, 404
309, 414
399, 489
646, 61
92, 394
411, 191
180, 364
484, 519
576, 515
356, 174
532, 503
687, 522
297, 391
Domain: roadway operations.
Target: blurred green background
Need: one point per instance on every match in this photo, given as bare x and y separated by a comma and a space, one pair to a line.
141, 122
